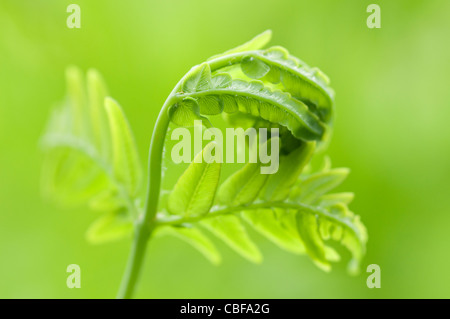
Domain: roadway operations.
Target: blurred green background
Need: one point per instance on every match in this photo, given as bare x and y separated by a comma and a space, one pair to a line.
391, 129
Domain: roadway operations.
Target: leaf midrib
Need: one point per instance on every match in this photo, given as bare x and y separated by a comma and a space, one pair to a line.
345, 222
197, 187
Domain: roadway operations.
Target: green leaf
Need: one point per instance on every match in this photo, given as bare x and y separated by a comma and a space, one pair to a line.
255, 99
198, 79
280, 184
319, 163
254, 68
318, 184
97, 92
231, 231
184, 113
266, 222
256, 43
71, 177
109, 227
210, 105
194, 192
331, 254
288, 220
74, 169
77, 100
221, 80
337, 198
79, 164
243, 186
308, 231
79, 167
196, 239
127, 168
107, 201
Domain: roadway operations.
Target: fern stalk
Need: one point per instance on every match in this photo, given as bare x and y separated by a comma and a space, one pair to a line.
145, 224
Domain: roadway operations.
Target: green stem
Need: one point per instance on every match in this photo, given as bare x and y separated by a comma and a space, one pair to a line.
145, 225
176, 220
135, 261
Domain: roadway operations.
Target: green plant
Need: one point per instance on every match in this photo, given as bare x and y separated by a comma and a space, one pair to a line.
91, 158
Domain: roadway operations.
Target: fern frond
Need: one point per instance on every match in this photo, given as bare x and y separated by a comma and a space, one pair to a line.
91, 158
90, 152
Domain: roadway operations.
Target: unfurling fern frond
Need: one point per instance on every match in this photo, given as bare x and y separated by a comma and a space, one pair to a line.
91, 157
